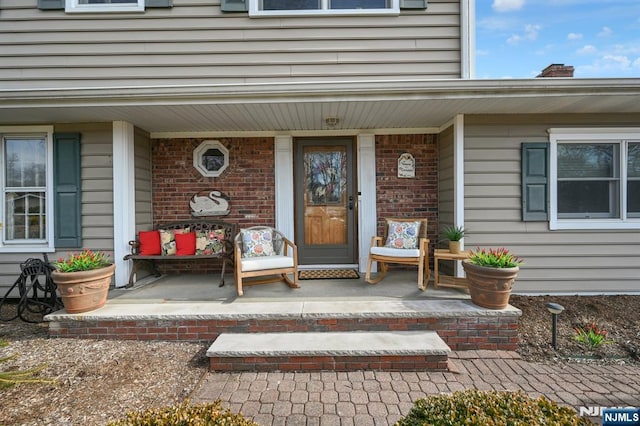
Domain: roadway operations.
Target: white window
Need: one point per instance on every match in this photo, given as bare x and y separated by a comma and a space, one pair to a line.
26, 182
595, 178
75, 6
324, 7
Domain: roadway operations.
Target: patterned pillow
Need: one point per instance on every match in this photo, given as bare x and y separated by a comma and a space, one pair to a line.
209, 242
403, 235
168, 240
256, 243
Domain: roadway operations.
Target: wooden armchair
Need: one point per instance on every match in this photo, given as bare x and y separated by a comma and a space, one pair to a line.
404, 242
262, 251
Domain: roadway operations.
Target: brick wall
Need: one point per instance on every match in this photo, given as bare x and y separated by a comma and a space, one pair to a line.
405, 197
249, 182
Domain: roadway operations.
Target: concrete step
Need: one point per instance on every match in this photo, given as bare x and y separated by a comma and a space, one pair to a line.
335, 351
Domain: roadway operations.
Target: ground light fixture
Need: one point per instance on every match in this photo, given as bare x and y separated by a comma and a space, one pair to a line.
555, 309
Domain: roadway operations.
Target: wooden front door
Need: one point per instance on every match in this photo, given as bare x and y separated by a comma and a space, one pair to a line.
325, 201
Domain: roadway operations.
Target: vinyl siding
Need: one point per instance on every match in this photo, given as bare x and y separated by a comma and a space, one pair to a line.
445, 181
144, 208
194, 42
555, 261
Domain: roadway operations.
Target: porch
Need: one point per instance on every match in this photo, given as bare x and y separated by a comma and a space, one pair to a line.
192, 307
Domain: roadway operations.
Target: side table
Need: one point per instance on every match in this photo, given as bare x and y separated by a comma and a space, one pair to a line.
445, 280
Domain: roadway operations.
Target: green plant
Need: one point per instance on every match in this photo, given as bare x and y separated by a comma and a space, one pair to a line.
453, 233
591, 335
13, 376
494, 258
210, 414
474, 407
86, 260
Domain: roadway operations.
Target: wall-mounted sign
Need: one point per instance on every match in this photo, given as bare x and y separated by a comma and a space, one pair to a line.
406, 166
215, 203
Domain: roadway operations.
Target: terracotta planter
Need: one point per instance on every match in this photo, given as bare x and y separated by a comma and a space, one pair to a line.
85, 290
490, 287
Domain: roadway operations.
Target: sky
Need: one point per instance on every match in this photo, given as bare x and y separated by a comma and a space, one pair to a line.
519, 38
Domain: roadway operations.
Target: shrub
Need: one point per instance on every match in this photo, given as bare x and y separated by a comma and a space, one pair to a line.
185, 414
473, 407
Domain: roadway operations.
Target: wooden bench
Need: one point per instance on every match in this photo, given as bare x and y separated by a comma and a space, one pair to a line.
149, 262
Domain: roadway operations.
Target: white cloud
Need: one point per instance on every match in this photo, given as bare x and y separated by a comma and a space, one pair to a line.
574, 36
507, 5
605, 32
530, 34
587, 50
609, 66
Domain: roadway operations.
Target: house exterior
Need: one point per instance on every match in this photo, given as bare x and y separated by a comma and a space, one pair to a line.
108, 110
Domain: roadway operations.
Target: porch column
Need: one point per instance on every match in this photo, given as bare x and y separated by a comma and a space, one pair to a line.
367, 214
124, 228
284, 185
458, 179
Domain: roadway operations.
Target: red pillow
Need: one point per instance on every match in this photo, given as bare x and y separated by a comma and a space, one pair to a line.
149, 243
186, 244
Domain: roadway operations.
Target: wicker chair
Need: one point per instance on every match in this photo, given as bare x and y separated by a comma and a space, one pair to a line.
262, 251
384, 253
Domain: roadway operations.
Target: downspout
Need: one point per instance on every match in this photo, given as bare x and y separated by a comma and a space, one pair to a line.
467, 39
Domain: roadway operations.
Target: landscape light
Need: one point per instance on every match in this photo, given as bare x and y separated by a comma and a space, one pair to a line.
555, 309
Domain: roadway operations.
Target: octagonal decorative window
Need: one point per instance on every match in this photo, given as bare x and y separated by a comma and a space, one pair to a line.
211, 158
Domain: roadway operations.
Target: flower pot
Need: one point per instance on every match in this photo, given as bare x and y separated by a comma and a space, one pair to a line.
454, 247
490, 287
83, 291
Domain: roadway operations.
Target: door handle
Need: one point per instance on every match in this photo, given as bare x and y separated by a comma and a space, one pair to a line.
350, 205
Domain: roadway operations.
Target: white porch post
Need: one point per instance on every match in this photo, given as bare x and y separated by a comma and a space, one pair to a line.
458, 178
284, 185
367, 216
124, 226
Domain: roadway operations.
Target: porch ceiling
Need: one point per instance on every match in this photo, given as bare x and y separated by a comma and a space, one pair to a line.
299, 107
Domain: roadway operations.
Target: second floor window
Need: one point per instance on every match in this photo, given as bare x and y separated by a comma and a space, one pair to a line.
104, 6
314, 7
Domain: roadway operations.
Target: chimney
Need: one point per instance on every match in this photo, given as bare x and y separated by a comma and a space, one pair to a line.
557, 70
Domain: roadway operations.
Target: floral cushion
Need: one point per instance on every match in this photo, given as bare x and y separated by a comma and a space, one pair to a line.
256, 243
209, 242
402, 235
168, 240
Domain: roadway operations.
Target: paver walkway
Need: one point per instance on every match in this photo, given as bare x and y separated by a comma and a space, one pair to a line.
381, 398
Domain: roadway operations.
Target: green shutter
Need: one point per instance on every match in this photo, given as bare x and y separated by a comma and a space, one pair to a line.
50, 4
234, 5
413, 4
158, 3
535, 181
67, 190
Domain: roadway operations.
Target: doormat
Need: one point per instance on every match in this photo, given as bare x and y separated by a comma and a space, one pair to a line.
328, 274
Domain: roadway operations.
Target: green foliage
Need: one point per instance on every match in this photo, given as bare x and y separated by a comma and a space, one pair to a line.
473, 407
184, 414
453, 233
591, 335
13, 377
86, 260
494, 258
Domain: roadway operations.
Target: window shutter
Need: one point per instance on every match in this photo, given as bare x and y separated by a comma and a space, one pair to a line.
413, 4
50, 4
67, 190
234, 5
535, 181
158, 3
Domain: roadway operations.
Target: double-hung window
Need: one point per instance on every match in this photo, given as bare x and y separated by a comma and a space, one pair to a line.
73, 6
594, 178
323, 7
26, 181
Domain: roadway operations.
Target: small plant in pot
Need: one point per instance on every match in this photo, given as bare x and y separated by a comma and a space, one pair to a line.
490, 276
454, 234
83, 280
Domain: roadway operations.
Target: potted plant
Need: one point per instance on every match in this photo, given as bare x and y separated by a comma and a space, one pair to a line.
454, 234
490, 276
83, 280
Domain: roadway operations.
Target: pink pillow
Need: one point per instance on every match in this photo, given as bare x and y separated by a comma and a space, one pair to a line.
149, 243
186, 244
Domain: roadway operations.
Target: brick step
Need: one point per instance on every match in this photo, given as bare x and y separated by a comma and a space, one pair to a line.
337, 351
